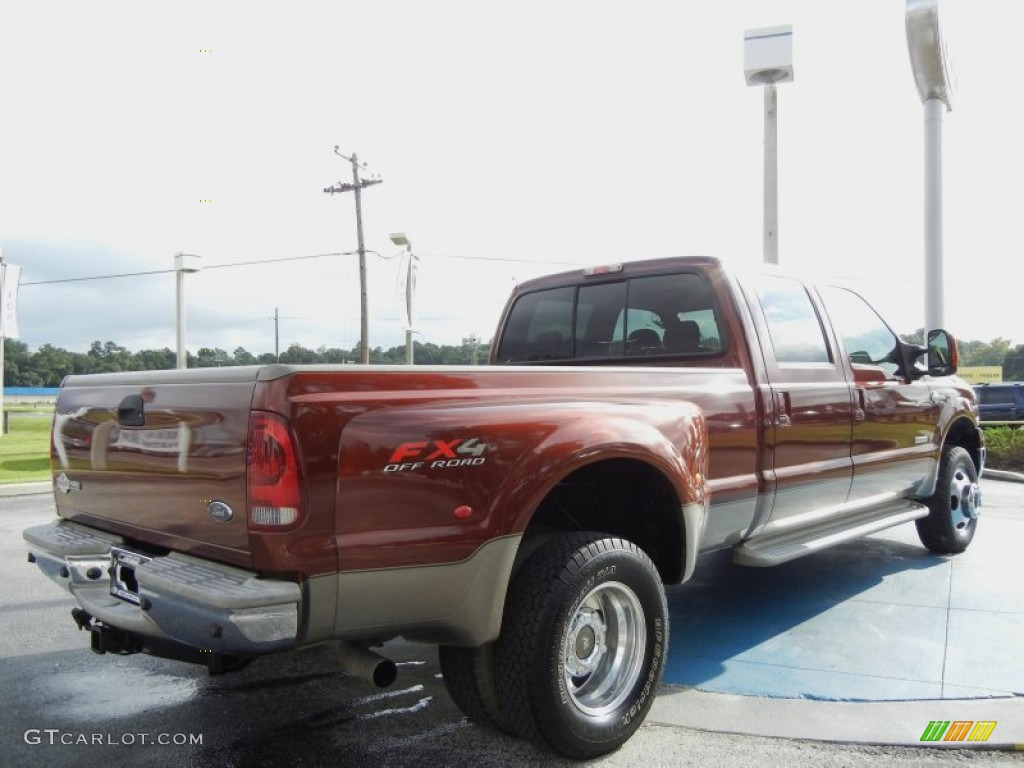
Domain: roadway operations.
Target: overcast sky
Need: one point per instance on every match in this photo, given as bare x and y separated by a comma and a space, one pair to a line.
513, 139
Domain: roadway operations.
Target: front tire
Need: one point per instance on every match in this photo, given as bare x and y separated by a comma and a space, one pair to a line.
583, 642
953, 516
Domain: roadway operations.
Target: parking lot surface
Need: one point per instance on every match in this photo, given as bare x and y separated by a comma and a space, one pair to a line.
835, 657
873, 620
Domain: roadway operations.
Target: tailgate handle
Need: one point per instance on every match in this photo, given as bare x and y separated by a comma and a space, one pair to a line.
129, 412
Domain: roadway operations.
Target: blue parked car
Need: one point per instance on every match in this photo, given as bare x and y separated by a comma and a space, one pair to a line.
1001, 402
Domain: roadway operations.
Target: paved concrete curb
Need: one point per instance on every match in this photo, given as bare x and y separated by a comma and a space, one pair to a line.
895, 723
25, 489
1002, 474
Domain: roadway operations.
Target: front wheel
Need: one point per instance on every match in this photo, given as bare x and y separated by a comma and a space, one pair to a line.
953, 516
583, 643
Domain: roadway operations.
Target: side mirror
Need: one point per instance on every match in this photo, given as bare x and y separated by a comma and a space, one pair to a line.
943, 357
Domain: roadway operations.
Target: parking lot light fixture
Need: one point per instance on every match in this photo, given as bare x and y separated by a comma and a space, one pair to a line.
767, 61
928, 62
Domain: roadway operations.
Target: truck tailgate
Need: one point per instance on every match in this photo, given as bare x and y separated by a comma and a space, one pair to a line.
147, 455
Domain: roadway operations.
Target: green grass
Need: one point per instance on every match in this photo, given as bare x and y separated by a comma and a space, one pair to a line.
25, 450
1005, 448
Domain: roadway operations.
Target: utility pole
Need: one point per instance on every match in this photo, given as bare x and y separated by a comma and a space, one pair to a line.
277, 343
357, 186
473, 341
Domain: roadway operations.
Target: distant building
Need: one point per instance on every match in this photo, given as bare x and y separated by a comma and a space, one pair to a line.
31, 394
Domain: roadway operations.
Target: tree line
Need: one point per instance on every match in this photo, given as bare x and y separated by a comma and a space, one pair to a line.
48, 365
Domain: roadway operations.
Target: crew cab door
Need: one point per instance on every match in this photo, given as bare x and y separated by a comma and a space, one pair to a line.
808, 405
895, 439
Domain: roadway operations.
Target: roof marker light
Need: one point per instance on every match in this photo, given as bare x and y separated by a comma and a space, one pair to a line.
605, 269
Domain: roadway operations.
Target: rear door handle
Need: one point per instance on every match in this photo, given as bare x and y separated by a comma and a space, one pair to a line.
783, 410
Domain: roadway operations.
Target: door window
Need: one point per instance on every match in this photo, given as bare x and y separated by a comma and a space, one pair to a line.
868, 340
793, 323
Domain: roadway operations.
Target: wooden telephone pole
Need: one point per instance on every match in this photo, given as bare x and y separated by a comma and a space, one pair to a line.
357, 186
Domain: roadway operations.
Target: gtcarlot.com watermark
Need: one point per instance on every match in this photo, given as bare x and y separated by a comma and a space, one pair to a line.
55, 736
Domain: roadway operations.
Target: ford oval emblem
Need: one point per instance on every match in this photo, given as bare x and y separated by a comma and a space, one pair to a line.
219, 511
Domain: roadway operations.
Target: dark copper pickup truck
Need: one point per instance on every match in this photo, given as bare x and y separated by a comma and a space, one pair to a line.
524, 516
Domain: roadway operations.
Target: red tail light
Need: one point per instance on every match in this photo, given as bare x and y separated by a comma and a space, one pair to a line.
273, 478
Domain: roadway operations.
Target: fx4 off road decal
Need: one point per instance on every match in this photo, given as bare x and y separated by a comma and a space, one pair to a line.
437, 454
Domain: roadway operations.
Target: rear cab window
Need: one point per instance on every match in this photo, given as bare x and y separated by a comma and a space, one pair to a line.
672, 316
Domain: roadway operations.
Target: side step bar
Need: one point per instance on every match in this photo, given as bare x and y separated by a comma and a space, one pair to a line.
776, 548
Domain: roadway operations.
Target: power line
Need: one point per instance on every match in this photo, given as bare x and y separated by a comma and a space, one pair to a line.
257, 262
205, 267
284, 258
507, 259
97, 277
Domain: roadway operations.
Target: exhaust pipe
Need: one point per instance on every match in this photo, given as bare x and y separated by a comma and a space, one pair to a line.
366, 664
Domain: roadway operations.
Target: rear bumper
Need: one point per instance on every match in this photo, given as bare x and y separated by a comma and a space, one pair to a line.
198, 603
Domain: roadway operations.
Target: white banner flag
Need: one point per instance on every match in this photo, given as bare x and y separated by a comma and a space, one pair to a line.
407, 273
10, 276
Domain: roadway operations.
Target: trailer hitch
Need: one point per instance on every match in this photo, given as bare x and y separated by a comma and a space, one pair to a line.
82, 618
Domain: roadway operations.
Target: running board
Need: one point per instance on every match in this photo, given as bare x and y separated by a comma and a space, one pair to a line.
781, 547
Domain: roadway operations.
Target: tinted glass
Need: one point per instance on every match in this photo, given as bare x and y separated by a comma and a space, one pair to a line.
867, 338
793, 323
539, 327
598, 332
667, 315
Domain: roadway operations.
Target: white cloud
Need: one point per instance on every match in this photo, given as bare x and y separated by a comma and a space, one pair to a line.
543, 133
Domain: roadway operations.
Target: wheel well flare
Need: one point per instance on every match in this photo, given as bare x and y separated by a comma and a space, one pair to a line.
620, 497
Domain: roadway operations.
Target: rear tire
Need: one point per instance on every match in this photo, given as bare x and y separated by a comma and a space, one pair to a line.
469, 677
583, 643
953, 516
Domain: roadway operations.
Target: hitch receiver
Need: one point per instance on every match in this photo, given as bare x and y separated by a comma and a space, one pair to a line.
112, 640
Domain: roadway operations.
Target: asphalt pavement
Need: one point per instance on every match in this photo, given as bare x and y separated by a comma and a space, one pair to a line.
848, 657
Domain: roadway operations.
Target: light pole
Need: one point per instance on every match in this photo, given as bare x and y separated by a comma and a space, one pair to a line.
10, 276
3, 336
928, 61
767, 61
183, 262
399, 238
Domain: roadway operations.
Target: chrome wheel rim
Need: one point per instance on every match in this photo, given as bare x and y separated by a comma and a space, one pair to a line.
603, 650
964, 499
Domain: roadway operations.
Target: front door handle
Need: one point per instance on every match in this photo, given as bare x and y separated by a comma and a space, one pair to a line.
860, 410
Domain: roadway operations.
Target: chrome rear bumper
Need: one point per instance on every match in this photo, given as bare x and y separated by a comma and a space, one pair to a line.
199, 603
